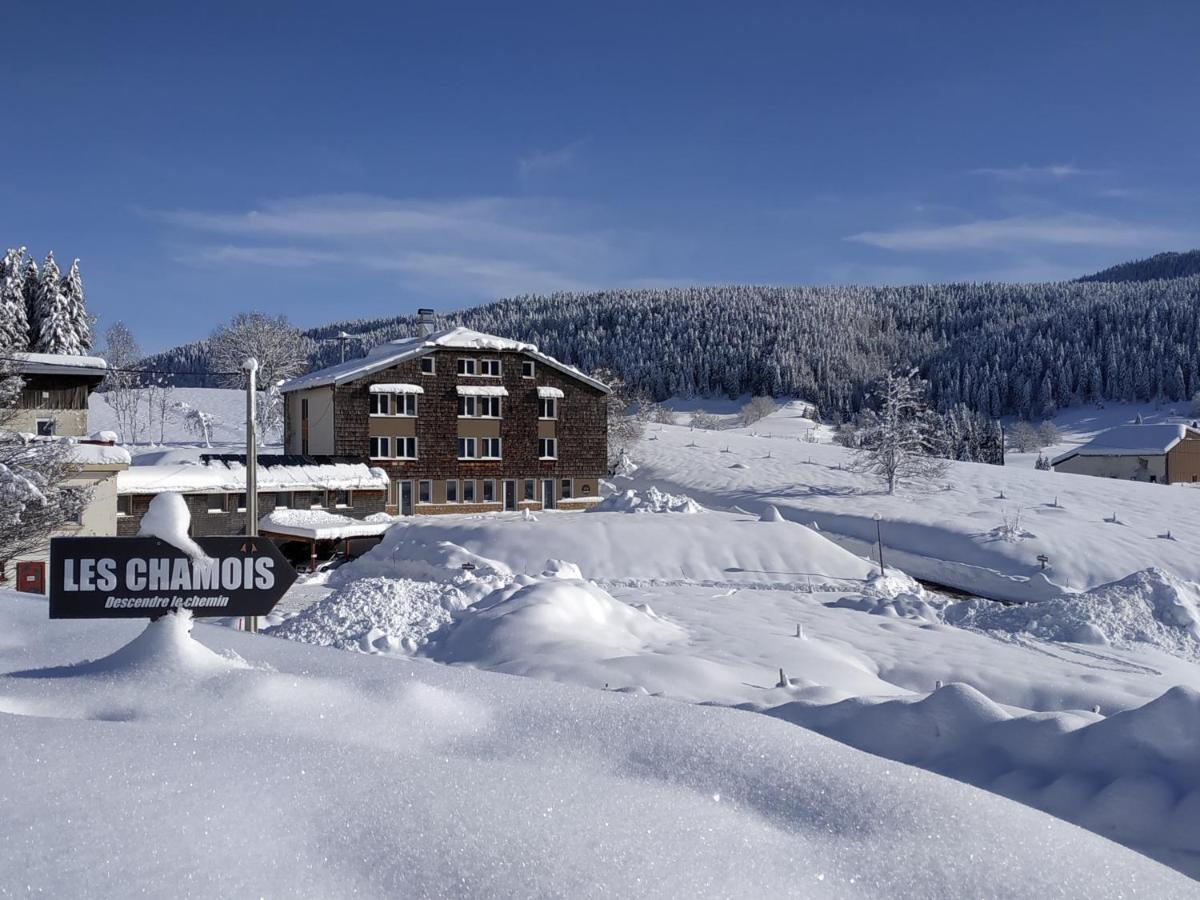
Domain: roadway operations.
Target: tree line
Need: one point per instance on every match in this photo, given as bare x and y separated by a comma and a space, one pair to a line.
42, 310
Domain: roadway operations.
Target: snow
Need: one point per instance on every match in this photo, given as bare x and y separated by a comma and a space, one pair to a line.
320, 525
105, 437
226, 405
654, 501
168, 519
222, 476
310, 772
482, 390
1131, 440
85, 454
550, 393
388, 354
61, 364
396, 389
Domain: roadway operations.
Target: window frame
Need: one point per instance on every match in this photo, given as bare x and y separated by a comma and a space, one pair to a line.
530, 490
380, 404
468, 443
461, 366
49, 421
490, 362
288, 504
208, 500
553, 407
239, 502
566, 490
399, 443
432, 360
483, 454
337, 496
425, 491
546, 444
385, 446
528, 369
452, 489
468, 487
488, 494
124, 500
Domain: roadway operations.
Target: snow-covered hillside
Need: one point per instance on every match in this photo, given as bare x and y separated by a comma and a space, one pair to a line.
280, 769
227, 408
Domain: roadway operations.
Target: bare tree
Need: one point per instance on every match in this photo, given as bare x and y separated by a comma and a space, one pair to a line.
121, 388
901, 439
1048, 433
758, 408
161, 402
624, 430
280, 349
704, 420
197, 421
1024, 437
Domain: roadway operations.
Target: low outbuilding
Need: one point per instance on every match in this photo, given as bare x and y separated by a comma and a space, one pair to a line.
1161, 454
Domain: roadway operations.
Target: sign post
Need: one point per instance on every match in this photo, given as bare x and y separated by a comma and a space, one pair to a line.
250, 623
132, 577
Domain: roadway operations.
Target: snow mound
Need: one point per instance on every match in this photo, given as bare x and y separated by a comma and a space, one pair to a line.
901, 606
557, 568
1148, 607
625, 467
375, 615
535, 623
166, 648
407, 552
771, 514
654, 501
168, 519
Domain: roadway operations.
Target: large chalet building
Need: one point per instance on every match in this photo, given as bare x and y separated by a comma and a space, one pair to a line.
460, 421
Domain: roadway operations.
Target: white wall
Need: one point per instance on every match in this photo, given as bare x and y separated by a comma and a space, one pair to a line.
1130, 468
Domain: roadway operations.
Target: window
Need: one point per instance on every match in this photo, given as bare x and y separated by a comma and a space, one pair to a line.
406, 448
479, 407
216, 503
381, 447
428, 365
489, 490
566, 489
466, 449
468, 491
424, 491
393, 405
381, 404
489, 368
342, 498
489, 448
452, 491
406, 405
527, 368
240, 501
283, 500
547, 408
529, 488
319, 499
45, 427
302, 500
466, 366
125, 503
548, 448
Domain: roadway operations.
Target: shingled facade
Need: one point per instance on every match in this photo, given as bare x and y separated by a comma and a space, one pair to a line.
461, 422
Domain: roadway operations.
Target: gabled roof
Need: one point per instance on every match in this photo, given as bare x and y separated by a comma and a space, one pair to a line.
226, 473
60, 364
1131, 440
389, 354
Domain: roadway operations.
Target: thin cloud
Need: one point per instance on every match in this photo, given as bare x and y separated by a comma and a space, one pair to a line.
549, 160
1033, 173
997, 234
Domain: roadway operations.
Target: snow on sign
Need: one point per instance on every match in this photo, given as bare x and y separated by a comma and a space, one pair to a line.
130, 577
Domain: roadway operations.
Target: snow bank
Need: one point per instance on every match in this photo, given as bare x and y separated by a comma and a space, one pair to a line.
321, 525
1148, 607
168, 519
536, 624
714, 547
1133, 777
344, 774
654, 501
375, 615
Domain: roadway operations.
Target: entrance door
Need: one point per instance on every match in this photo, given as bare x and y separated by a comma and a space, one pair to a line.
548, 493
510, 495
31, 577
404, 493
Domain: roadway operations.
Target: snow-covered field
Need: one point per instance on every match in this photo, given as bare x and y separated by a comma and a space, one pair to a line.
227, 407
238, 765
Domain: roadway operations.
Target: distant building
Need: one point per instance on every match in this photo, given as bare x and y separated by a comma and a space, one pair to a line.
460, 421
1162, 454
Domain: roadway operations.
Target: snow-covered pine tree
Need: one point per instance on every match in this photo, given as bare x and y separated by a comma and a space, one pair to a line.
56, 332
29, 290
14, 321
902, 437
81, 325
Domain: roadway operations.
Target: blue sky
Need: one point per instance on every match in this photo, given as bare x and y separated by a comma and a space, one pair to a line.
346, 160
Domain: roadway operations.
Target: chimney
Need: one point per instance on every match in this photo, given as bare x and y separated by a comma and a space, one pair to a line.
424, 322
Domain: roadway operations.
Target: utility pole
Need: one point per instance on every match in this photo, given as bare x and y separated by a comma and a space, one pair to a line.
879, 543
250, 623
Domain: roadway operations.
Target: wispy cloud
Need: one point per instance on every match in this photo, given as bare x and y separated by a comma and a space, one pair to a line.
1025, 172
478, 247
549, 160
1021, 231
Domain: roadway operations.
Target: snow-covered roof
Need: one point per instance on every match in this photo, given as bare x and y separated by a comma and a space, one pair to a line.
389, 354
226, 476
316, 524
98, 455
482, 390
60, 364
1131, 440
550, 393
396, 389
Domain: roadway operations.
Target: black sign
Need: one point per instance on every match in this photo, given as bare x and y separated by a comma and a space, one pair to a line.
131, 577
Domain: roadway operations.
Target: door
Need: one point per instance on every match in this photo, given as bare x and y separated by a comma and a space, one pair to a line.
406, 498
31, 577
548, 493
510, 495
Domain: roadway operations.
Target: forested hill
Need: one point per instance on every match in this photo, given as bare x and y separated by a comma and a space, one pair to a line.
1000, 348
1161, 265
